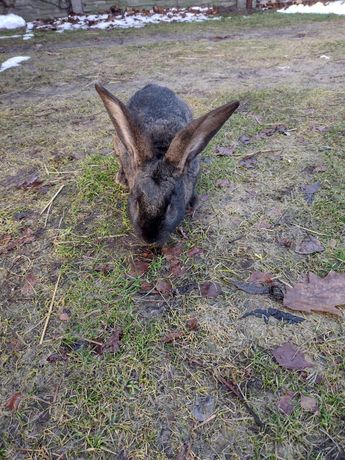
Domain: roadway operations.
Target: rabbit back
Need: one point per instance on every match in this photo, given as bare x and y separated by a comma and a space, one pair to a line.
160, 114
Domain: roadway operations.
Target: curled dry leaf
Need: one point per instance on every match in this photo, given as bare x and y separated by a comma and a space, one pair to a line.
139, 267
210, 289
311, 245
286, 403
317, 294
193, 324
290, 357
172, 337
28, 288
172, 252
309, 404
163, 286
195, 252
13, 401
251, 288
260, 277
274, 313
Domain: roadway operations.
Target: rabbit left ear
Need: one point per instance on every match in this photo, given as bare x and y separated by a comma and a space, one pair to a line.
136, 144
194, 137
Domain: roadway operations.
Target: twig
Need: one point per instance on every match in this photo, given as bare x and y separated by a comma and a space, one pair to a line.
52, 199
309, 230
50, 310
47, 215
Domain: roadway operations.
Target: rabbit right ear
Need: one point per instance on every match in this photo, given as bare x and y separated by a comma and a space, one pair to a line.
135, 143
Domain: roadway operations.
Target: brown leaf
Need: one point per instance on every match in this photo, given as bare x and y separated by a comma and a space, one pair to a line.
184, 452
225, 151
286, 403
13, 401
23, 179
104, 268
112, 345
308, 403
317, 294
309, 191
210, 290
146, 287
26, 237
59, 356
139, 267
311, 245
290, 357
193, 324
28, 288
249, 161
195, 252
260, 277
177, 269
172, 252
172, 337
252, 288
64, 316
224, 183
164, 287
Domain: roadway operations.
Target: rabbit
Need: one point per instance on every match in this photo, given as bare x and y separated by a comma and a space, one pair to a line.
159, 144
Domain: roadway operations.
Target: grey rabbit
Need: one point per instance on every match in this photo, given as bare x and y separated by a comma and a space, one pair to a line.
158, 144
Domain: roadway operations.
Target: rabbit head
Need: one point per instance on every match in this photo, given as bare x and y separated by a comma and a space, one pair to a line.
161, 185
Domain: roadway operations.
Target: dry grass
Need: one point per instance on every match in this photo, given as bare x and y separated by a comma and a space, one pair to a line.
140, 400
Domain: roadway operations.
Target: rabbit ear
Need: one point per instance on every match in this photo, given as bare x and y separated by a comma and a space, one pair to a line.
194, 137
135, 143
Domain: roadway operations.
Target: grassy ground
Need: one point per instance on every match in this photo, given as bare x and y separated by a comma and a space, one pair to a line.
138, 403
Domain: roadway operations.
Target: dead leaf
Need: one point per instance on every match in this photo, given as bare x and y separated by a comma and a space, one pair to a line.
26, 237
210, 290
112, 345
244, 139
286, 403
224, 183
57, 357
260, 277
164, 287
172, 252
274, 313
176, 268
310, 245
193, 324
195, 252
13, 401
64, 316
146, 287
225, 151
23, 179
139, 267
184, 452
290, 357
310, 190
249, 161
28, 288
310, 404
317, 294
104, 268
172, 337
252, 288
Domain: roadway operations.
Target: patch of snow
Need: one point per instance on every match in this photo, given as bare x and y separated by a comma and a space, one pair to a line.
13, 62
337, 7
28, 36
11, 21
10, 36
323, 56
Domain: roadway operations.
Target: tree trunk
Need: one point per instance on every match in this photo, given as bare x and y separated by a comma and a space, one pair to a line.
77, 6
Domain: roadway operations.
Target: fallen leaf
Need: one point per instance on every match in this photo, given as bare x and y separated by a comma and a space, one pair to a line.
225, 151
23, 179
186, 288
317, 294
311, 245
104, 268
164, 287
210, 290
57, 357
20, 215
203, 408
13, 401
26, 237
146, 287
309, 191
64, 316
172, 337
176, 268
244, 139
184, 452
249, 161
308, 403
195, 252
274, 313
139, 267
193, 324
172, 252
224, 183
260, 277
203, 197
112, 344
286, 403
290, 357
28, 288
251, 288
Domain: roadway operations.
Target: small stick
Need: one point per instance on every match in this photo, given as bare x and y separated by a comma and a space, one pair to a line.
49, 310
309, 230
47, 215
51, 200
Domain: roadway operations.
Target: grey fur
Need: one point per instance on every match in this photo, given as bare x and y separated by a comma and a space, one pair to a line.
160, 163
